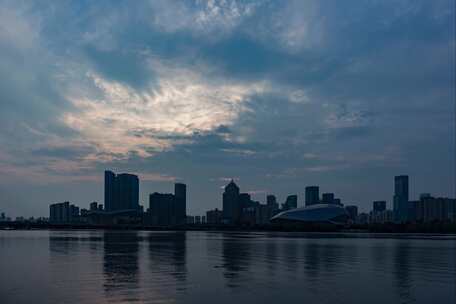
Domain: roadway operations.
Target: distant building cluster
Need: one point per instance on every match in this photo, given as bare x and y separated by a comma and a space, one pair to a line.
63, 213
121, 206
240, 209
425, 210
4, 218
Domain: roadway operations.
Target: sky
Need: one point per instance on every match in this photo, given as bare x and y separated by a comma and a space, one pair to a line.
277, 95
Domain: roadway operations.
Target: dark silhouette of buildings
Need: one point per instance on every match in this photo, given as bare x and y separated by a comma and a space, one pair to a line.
109, 190
166, 209
248, 209
290, 203
214, 217
271, 201
240, 209
93, 206
245, 201
401, 198
231, 204
312, 195
180, 196
128, 191
63, 213
380, 214
431, 209
327, 198
379, 206
352, 212
121, 191
161, 207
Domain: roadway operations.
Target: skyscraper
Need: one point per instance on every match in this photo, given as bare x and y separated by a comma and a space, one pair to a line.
401, 198
128, 191
121, 191
109, 190
180, 203
161, 206
312, 195
231, 204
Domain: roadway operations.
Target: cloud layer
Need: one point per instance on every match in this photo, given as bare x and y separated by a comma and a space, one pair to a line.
277, 94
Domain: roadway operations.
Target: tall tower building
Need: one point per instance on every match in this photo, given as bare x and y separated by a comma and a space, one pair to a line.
161, 209
128, 191
312, 195
109, 190
231, 204
401, 198
180, 195
121, 191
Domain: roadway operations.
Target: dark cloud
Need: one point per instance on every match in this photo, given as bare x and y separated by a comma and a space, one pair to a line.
345, 95
121, 65
63, 152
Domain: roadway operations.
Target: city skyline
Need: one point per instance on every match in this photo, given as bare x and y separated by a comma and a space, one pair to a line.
316, 196
240, 210
278, 95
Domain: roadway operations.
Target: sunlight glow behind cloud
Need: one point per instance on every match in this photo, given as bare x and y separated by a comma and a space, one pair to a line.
121, 120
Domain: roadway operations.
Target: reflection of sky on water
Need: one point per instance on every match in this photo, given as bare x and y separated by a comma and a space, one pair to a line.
185, 267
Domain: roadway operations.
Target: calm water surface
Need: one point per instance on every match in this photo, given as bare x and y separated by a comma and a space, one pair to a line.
222, 267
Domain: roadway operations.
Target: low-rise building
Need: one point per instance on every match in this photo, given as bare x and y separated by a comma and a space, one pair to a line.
214, 217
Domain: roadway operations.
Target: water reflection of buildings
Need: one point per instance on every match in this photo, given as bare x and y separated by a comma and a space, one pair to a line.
167, 255
121, 263
271, 255
236, 253
290, 251
401, 262
95, 239
323, 259
62, 244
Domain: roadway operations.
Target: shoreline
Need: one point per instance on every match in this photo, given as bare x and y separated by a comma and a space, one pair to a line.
424, 228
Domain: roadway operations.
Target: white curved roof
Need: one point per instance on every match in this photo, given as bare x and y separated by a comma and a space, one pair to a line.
329, 213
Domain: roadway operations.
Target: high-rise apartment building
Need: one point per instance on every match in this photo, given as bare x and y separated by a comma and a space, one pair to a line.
180, 203
231, 204
401, 198
121, 191
312, 195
